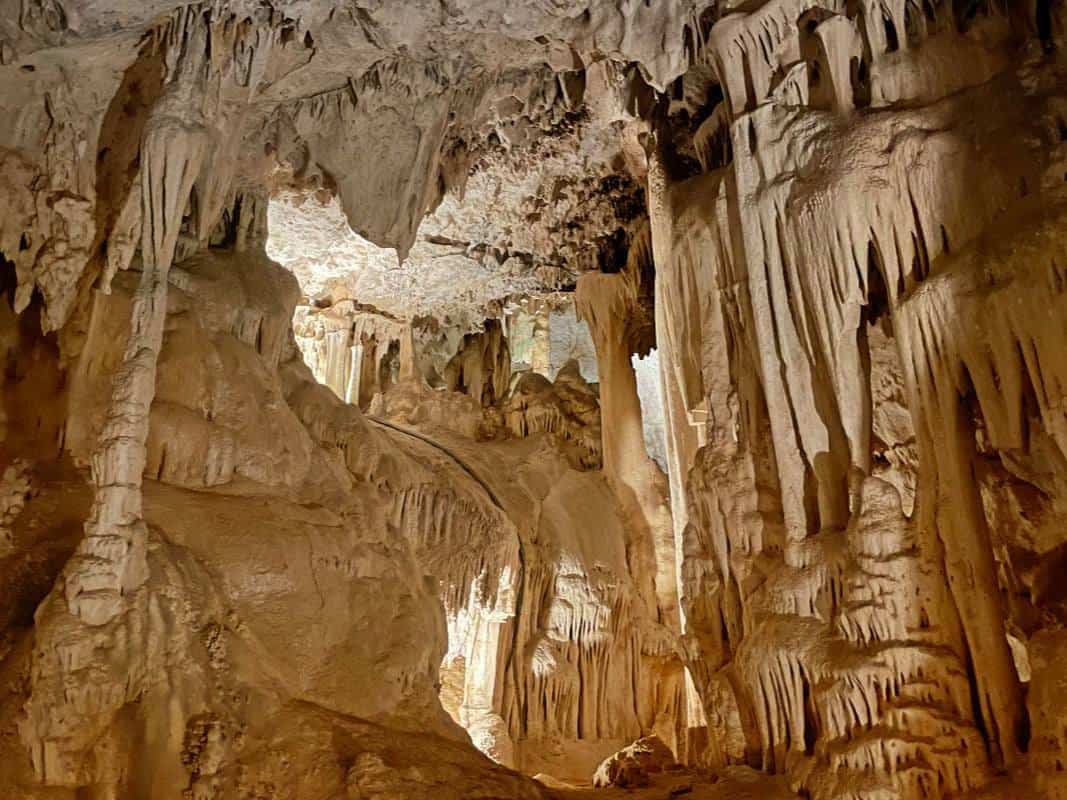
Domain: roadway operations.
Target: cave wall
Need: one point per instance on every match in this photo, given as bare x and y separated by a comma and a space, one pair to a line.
312, 576
288, 621
856, 291
278, 548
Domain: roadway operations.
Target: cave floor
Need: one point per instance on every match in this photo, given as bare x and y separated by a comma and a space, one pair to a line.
742, 783
736, 783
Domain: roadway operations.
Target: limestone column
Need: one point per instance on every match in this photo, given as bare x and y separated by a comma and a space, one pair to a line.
609, 303
73, 698
541, 351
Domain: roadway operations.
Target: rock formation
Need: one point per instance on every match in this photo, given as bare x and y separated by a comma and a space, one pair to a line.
532, 399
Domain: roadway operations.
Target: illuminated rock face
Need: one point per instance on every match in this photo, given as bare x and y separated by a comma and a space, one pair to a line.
326, 517
861, 399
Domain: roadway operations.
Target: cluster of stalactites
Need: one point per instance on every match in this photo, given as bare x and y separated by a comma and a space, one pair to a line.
567, 409
830, 55
353, 350
459, 540
482, 367
593, 644
835, 625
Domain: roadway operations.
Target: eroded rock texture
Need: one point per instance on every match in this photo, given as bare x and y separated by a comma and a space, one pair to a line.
408, 399
834, 301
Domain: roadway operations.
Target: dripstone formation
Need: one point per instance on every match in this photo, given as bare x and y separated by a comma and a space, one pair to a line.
533, 399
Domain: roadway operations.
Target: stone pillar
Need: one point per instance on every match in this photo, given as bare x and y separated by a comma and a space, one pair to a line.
609, 304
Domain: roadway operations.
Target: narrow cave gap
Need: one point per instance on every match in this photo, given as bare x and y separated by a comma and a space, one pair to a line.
812, 495
690, 49
8, 277
810, 719
976, 704
162, 466
1029, 406
612, 251
718, 153
891, 37
191, 213
877, 298
921, 258
724, 628
227, 233
1043, 21
861, 82
971, 410
750, 89
874, 310
715, 96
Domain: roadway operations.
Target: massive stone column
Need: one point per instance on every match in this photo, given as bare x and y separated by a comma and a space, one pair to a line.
610, 304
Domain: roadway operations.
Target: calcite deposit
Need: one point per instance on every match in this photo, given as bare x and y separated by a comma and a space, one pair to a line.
533, 399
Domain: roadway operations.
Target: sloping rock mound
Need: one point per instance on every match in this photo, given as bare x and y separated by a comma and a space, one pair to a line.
632, 766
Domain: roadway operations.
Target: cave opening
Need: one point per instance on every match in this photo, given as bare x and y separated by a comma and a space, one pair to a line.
460, 339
